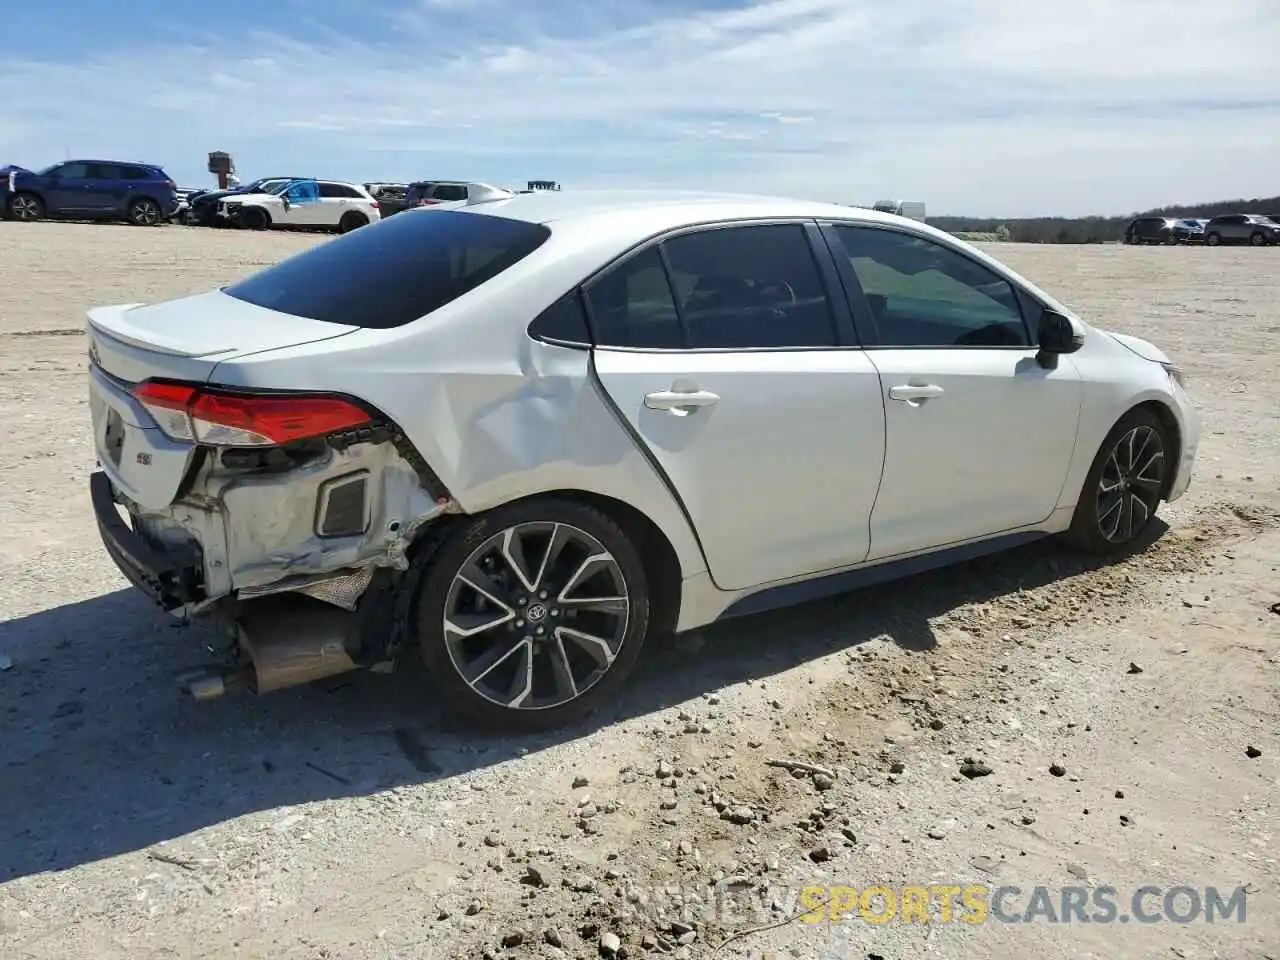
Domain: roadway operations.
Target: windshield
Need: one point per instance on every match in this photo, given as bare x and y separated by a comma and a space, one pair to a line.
395, 271
275, 186
1259, 218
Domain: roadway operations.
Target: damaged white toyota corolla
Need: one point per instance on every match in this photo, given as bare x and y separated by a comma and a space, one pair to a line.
507, 442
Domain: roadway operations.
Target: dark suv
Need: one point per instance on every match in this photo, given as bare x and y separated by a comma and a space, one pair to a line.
1157, 230
424, 193
139, 193
1242, 228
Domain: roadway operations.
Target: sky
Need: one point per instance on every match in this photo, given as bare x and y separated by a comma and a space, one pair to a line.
977, 107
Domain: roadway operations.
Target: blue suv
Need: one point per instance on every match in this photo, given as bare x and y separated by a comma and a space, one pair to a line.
138, 193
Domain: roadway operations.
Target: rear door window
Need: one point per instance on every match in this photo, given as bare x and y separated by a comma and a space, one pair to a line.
392, 274
333, 191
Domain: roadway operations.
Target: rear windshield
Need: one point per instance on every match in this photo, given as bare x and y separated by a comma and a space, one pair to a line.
393, 272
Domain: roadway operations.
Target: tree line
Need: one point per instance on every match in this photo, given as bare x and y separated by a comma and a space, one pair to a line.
1091, 229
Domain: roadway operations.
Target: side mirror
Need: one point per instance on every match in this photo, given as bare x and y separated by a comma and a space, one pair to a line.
1057, 335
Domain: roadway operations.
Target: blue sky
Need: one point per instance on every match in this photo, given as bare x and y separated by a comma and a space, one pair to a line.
990, 107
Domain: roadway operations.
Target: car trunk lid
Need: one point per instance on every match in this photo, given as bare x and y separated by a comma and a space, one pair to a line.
185, 339
182, 340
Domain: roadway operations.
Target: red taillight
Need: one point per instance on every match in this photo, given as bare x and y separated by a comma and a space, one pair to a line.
376, 205
230, 419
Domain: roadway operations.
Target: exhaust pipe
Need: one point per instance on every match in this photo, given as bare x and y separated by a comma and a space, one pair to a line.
295, 640
287, 639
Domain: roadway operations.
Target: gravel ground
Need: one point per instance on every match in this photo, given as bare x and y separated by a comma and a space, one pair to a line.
1122, 722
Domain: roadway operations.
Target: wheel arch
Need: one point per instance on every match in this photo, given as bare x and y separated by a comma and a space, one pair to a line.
1163, 412
658, 555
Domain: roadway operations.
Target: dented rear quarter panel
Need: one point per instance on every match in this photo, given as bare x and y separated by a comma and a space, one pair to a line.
497, 415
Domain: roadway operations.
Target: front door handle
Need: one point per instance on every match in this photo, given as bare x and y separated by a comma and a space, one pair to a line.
680, 403
913, 393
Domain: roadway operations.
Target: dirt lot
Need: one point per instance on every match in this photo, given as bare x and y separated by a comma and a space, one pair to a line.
348, 820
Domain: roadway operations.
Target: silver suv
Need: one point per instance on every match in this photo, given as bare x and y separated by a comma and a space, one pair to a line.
1250, 228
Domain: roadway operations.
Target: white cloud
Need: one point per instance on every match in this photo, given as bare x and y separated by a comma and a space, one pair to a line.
976, 106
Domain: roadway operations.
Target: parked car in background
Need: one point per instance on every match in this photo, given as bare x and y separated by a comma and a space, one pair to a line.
1253, 228
1162, 230
1194, 229
203, 205
391, 197
912, 209
311, 204
138, 193
425, 193
509, 464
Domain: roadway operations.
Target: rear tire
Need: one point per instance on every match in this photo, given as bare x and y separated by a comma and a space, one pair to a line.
352, 221
25, 207
1213, 239
145, 212
1124, 486
540, 640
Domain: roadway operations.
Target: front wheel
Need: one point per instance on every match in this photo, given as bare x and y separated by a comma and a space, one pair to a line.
1124, 487
253, 218
25, 206
532, 616
1258, 239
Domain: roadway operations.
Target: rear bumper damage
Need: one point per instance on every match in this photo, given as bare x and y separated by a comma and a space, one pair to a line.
300, 562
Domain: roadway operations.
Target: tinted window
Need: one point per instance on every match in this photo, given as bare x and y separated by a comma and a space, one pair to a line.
922, 294
632, 306
394, 272
134, 173
758, 286
338, 190
449, 192
72, 171
564, 321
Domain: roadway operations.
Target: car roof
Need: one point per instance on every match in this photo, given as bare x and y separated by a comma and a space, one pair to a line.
674, 208
130, 163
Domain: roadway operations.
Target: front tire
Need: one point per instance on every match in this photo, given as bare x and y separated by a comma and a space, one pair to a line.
25, 207
1124, 487
530, 617
1258, 239
253, 218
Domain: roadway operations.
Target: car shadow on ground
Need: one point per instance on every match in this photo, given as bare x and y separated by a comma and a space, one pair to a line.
103, 754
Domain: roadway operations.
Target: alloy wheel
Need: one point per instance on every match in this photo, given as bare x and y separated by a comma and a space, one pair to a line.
25, 208
1131, 483
145, 213
536, 615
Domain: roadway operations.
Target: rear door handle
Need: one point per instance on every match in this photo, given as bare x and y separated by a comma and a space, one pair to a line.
680, 403
913, 393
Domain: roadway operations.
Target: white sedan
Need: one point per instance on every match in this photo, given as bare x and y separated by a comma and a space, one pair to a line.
506, 443
314, 204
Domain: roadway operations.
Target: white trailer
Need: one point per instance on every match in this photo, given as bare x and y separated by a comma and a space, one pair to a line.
914, 209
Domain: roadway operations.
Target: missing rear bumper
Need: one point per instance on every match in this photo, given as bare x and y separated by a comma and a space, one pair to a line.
173, 578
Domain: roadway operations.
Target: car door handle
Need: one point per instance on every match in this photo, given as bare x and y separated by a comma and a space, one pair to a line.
909, 392
680, 402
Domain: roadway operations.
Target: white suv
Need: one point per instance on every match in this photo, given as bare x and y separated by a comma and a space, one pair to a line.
508, 442
323, 204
